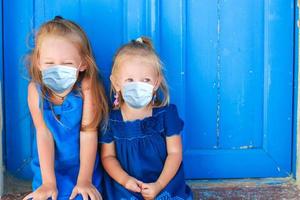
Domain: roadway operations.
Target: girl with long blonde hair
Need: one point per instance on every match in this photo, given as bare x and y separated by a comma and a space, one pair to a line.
67, 103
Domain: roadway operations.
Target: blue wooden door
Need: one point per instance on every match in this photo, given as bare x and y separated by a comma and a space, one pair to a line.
229, 65
238, 88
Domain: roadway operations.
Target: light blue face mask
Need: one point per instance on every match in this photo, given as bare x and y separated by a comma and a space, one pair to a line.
137, 94
59, 78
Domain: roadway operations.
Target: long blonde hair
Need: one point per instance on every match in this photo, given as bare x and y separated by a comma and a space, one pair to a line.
73, 32
142, 48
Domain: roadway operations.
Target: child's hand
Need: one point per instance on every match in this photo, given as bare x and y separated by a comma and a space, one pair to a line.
87, 190
133, 184
150, 190
44, 192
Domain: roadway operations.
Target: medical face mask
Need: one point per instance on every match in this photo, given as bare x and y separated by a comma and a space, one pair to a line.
137, 94
59, 78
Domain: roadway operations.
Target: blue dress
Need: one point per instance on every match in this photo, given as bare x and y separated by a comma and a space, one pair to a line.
64, 123
141, 150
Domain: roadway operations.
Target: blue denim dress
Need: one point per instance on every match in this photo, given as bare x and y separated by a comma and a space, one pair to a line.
141, 150
64, 122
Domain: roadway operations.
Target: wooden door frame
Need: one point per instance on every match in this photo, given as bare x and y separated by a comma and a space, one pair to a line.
296, 126
1, 100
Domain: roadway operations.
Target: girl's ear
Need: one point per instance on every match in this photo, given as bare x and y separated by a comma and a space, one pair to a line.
158, 83
39, 66
115, 84
83, 65
82, 68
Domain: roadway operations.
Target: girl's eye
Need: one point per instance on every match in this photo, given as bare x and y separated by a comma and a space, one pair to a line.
49, 63
129, 80
146, 80
68, 63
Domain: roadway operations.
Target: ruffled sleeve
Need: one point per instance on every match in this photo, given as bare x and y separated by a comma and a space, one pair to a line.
173, 124
106, 136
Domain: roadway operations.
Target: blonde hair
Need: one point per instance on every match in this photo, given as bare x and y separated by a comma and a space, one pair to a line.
72, 32
142, 48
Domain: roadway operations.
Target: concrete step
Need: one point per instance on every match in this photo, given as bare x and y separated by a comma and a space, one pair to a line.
246, 189
237, 189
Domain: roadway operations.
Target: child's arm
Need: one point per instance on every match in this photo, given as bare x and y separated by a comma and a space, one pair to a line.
114, 169
88, 148
45, 147
172, 164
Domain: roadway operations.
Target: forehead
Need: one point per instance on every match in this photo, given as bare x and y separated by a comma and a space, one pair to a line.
137, 65
58, 47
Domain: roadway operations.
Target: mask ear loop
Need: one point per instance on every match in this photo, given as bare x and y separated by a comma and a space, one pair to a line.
154, 98
77, 85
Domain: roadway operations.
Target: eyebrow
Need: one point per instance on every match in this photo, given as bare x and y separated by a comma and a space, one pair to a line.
48, 58
68, 60
64, 60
